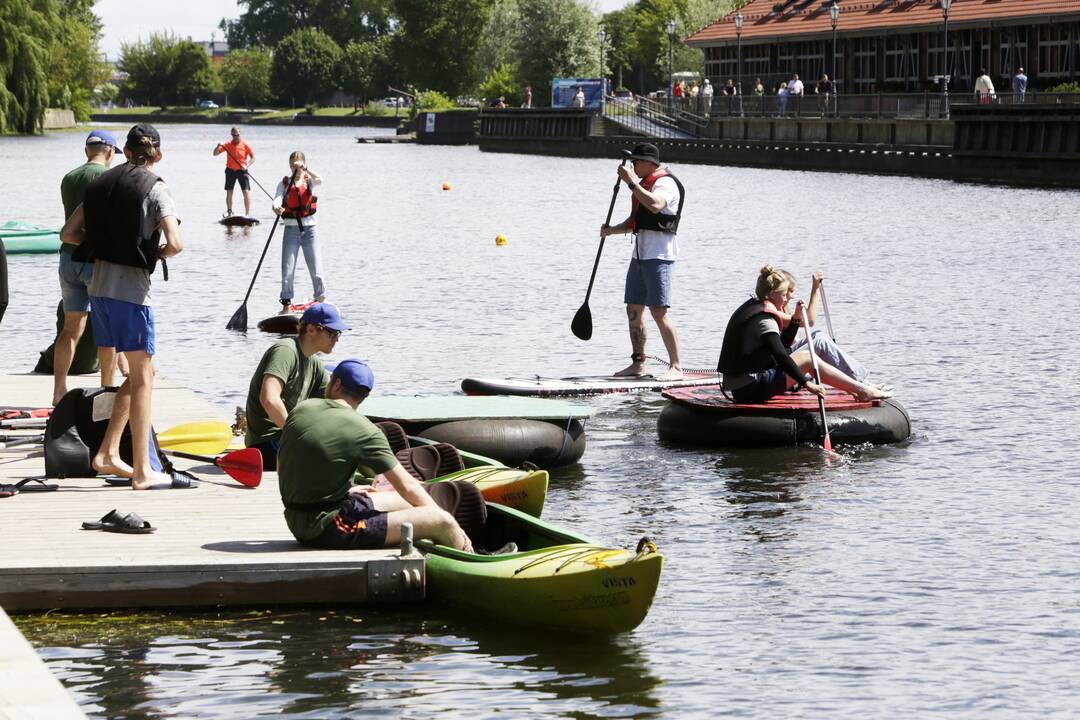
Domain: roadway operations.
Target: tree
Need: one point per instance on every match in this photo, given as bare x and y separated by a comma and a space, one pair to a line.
245, 75
164, 70
557, 39
75, 67
502, 82
305, 67
268, 22
27, 30
358, 67
499, 38
438, 42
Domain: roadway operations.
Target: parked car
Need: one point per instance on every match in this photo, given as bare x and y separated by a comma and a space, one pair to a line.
209, 104
394, 102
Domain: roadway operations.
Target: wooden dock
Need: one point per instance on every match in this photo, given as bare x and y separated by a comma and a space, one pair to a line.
387, 139
28, 691
221, 544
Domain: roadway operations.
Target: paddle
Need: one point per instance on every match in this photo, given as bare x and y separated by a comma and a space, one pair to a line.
826, 441
7, 441
825, 307
207, 437
581, 325
239, 319
244, 466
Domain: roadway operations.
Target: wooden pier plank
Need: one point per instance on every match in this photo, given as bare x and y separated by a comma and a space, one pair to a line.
28, 691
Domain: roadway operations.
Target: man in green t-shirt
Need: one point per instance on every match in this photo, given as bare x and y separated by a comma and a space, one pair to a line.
323, 442
75, 276
289, 373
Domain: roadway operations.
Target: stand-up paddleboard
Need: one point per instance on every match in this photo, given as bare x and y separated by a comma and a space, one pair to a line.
285, 323
538, 386
239, 220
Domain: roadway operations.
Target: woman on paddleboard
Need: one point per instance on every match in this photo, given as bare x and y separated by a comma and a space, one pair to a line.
295, 200
755, 360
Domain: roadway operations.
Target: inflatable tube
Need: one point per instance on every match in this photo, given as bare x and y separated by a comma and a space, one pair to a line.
283, 324
513, 441
704, 417
3, 281
85, 359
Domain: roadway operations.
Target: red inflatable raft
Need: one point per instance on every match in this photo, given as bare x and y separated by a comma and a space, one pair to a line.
703, 416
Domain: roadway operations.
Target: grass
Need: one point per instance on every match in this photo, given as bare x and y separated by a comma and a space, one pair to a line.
261, 113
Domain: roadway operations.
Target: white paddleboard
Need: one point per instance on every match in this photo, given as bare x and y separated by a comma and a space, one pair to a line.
538, 386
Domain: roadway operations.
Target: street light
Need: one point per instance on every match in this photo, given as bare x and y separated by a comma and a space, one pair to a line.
670, 74
602, 36
834, 15
945, 5
738, 56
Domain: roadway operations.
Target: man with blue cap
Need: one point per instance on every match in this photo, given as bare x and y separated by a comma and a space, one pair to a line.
322, 444
75, 276
289, 373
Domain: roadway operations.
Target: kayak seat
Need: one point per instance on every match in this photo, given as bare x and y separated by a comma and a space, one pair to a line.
427, 462
464, 501
395, 435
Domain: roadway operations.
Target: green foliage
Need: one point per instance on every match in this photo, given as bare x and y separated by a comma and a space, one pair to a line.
499, 38
358, 67
27, 31
305, 67
503, 82
165, 70
75, 68
245, 76
268, 22
437, 43
433, 100
1069, 87
557, 39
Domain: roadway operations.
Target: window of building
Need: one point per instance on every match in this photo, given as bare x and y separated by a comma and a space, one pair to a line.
1054, 51
1014, 46
865, 64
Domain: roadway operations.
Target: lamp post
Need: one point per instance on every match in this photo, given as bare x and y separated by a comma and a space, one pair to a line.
738, 60
670, 76
945, 5
602, 36
834, 15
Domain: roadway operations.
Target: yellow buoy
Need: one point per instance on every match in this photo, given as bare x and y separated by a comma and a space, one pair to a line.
500, 239
446, 186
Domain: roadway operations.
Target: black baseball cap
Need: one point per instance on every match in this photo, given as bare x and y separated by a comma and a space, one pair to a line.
143, 130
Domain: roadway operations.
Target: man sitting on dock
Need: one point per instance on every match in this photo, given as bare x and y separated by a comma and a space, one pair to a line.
322, 444
289, 373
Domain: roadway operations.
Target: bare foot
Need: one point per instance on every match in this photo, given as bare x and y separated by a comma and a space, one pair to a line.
111, 465
57, 394
632, 370
672, 373
872, 393
147, 482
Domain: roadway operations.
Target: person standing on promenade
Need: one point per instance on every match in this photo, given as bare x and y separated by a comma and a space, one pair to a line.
824, 91
127, 222
1019, 85
238, 158
527, 102
76, 276
295, 199
656, 208
289, 373
984, 88
322, 444
707, 97
579, 98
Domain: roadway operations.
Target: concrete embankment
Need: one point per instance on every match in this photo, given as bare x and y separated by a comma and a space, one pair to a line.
303, 119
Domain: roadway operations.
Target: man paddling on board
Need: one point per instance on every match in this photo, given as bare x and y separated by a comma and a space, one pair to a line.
239, 156
322, 444
289, 373
656, 209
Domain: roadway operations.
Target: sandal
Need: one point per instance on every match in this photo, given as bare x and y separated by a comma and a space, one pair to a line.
113, 521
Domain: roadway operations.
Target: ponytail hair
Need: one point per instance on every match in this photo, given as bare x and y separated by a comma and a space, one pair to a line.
143, 150
769, 281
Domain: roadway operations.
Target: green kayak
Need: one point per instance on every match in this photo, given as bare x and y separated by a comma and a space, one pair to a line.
21, 238
557, 579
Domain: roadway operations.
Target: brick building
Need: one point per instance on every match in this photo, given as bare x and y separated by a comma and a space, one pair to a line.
896, 45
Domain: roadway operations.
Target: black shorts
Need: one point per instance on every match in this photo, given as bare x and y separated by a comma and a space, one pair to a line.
231, 176
358, 525
268, 449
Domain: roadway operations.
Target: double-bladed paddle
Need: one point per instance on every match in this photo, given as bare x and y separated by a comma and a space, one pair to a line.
244, 466
826, 441
581, 325
825, 307
239, 320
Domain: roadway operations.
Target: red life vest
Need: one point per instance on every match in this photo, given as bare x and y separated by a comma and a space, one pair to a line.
769, 309
642, 218
299, 201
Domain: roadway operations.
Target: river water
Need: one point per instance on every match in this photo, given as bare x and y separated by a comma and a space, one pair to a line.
940, 576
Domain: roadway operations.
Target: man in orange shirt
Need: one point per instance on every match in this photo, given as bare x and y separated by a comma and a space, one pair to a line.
239, 156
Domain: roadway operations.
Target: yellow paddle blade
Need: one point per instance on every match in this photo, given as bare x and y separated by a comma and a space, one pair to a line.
208, 437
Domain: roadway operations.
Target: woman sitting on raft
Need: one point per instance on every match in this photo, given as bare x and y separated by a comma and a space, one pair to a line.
755, 360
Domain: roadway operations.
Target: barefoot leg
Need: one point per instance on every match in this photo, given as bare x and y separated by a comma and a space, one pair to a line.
107, 460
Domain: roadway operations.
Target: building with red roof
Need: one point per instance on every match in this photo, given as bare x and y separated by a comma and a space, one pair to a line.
895, 45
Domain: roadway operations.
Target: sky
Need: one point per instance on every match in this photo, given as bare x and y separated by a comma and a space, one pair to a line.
197, 19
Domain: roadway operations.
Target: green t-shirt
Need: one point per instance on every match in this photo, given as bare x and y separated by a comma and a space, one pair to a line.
322, 443
73, 186
303, 378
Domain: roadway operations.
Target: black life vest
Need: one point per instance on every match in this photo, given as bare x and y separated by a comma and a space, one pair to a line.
113, 208
644, 219
743, 351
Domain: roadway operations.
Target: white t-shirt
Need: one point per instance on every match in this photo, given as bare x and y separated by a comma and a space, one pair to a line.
579, 99
653, 244
984, 85
795, 87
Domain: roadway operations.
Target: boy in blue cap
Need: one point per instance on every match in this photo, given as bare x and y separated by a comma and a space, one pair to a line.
288, 374
322, 443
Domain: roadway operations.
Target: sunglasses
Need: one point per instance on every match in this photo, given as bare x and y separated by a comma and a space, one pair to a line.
331, 333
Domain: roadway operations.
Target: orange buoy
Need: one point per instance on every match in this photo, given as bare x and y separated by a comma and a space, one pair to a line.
446, 186
500, 239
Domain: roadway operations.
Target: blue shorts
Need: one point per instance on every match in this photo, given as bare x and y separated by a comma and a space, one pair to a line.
122, 325
768, 383
648, 282
74, 278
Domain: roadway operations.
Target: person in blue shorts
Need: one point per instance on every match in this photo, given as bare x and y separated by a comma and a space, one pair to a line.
656, 208
126, 224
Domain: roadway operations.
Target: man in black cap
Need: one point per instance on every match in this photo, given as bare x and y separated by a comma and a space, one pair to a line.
656, 208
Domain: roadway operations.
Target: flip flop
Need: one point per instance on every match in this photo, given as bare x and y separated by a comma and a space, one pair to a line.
7, 491
113, 521
180, 481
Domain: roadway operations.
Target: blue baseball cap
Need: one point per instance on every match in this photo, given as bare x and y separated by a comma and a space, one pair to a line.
98, 137
326, 315
355, 375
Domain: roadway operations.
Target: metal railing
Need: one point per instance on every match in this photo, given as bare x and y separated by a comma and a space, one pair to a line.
655, 118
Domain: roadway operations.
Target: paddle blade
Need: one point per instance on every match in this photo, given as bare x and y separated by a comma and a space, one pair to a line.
210, 437
244, 466
827, 443
239, 319
581, 325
